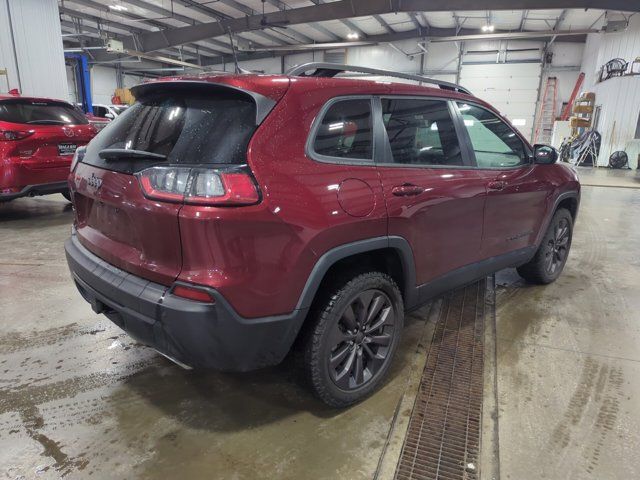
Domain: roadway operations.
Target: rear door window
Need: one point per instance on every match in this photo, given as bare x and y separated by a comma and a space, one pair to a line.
346, 131
186, 127
33, 112
421, 132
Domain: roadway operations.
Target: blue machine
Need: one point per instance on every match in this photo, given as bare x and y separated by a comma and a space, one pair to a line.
83, 80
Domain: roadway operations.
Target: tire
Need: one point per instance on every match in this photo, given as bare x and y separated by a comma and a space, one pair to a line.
347, 349
66, 195
550, 258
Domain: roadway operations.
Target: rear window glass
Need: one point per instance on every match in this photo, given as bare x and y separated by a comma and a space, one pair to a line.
346, 131
186, 127
40, 113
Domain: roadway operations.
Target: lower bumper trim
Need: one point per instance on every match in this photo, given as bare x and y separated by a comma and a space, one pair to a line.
34, 190
190, 333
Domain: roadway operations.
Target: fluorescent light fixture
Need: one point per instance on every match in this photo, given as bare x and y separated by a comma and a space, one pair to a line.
519, 122
468, 123
464, 107
336, 126
488, 28
353, 36
119, 8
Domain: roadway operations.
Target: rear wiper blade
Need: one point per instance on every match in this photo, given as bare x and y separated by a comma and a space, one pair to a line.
117, 153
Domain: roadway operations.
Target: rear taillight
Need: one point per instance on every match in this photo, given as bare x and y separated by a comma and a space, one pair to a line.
11, 135
77, 157
199, 186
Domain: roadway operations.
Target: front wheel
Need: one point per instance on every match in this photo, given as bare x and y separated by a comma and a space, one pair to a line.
353, 338
550, 258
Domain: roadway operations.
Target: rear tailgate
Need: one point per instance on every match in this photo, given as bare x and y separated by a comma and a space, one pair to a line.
52, 146
116, 222
191, 124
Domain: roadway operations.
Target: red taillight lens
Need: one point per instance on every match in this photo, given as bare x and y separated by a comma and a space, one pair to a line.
192, 293
199, 186
165, 183
210, 187
11, 135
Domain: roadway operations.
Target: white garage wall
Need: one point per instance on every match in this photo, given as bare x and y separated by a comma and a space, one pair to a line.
510, 88
31, 48
103, 84
71, 84
619, 98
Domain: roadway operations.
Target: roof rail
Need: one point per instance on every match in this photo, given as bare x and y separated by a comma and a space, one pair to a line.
333, 69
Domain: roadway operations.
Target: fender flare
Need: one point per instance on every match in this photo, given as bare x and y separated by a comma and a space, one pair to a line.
563, 196
329, 258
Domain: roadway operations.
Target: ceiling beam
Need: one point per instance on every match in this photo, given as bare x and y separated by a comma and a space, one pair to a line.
344, 9
513, 35
523, 19
452, 38
96, 41
347, 23
167, 14
156, 23
127, 28
435, 34
207, 10
415, 20
280, 5
383, 23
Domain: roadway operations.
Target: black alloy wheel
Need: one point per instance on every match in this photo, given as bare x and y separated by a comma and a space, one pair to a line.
349, 341
550, 257
557, 247
361, 339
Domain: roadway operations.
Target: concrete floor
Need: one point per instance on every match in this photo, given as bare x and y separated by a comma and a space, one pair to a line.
608, 177
78, 398
568, 354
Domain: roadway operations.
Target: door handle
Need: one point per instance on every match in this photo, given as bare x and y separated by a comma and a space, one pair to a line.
407, 190
497, 185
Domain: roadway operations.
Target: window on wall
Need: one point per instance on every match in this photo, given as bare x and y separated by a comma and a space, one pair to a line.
494, 143
421, 132
637, 135
346, 131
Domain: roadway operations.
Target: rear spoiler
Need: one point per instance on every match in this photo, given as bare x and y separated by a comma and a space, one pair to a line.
264, 105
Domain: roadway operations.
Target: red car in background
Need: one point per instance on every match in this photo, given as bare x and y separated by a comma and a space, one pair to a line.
97, 122
38, 137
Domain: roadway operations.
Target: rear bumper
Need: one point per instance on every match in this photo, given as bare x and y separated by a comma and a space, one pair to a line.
199, 335
33, 190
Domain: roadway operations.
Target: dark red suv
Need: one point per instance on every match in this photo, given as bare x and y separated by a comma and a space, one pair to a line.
38, 137
223, 219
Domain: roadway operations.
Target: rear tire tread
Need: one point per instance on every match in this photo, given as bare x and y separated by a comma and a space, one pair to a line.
322, 316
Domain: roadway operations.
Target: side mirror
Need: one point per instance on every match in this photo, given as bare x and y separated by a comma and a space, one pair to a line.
109, 115
544, 154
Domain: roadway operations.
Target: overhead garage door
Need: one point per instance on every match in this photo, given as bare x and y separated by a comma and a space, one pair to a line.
511, 88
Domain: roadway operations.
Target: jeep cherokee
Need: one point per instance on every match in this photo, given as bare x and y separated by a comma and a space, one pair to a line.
223, 219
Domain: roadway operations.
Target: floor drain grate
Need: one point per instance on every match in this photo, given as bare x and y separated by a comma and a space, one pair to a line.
443, 438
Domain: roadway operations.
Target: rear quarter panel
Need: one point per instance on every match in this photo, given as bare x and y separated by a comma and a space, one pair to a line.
260, 257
